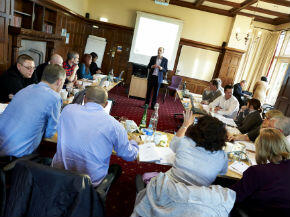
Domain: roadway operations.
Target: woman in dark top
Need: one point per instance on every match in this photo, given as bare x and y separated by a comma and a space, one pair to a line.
249, 117
266, 187
94, 67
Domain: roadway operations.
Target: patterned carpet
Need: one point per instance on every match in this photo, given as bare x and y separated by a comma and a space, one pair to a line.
121, 197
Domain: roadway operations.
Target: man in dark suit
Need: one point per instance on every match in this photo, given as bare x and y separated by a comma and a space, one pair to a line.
240, 94
157, 66
17, 77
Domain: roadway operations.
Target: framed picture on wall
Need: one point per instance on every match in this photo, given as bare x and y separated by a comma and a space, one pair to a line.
63, 32
67, 38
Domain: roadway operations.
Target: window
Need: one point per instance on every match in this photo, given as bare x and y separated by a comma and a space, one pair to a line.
279, 67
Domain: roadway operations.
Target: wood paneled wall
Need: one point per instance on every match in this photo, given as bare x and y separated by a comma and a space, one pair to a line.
5, 19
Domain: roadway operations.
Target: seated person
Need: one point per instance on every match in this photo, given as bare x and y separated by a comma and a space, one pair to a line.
269, 121
266, 187
84, 67
71, 66
94, 69
89, 149
239, 93
199, 159
211, 93
54, 59
17, 77
220, 84
253, 117
32, 114
226, 105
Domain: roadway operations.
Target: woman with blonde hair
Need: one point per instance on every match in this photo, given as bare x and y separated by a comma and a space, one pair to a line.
265, 187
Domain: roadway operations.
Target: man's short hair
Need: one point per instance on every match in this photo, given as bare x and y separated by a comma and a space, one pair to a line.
215, 83
94, 55
283, 124
52, 73
71, 55
22, 58
243, 81
228, 87
96, 94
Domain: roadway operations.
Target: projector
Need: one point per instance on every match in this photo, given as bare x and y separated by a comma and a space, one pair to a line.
162, 2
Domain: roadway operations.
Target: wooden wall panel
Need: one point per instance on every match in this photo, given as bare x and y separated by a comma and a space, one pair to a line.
195, 85
5, 17
229, 64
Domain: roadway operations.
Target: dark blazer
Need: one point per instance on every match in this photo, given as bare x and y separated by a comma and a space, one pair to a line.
163, 64
251, 121
38, 190
39, 70
238, 92
12, 81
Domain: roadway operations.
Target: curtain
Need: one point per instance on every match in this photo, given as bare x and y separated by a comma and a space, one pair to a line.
259, 55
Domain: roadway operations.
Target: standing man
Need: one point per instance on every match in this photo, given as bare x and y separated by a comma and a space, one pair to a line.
54, 59
17, 77
157, 66
71, 66
226, 105
89, 149
32, 114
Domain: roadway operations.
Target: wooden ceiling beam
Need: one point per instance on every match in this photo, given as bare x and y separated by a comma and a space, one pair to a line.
201, 7
251, 8
258, 18
242, 6
198, 2
223, 2
278, 2
265, 11
280, 20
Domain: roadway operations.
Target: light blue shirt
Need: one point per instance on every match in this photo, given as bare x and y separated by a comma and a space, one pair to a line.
195, 165
32, 113
86, 138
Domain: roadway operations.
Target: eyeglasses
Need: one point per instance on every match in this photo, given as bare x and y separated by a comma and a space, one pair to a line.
28, 67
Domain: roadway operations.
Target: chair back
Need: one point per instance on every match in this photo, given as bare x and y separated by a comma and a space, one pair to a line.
38, 190
176, 81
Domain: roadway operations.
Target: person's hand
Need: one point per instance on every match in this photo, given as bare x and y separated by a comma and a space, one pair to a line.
99, 72
76, 68
136, 138
232, 138
243, 108
188, 118
159, 67
216, 109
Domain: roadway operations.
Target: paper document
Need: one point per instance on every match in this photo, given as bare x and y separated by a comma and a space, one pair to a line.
227, 121
108, 106
252, 157
238, 167
148, 152
249, 145
2, 107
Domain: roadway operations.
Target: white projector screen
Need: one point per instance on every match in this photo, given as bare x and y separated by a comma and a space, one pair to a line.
154, 31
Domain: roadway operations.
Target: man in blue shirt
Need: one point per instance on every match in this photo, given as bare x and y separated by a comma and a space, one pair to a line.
87, 136
32, 113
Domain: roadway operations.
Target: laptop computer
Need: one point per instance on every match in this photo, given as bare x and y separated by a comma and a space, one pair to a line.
196, 110
102, 81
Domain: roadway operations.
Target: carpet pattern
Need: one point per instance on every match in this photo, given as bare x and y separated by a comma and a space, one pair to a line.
121, 197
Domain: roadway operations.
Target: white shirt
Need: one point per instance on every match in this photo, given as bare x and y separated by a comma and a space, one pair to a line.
230, 107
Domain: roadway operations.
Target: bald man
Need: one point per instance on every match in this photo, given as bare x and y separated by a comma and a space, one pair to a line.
87, 136
54, 59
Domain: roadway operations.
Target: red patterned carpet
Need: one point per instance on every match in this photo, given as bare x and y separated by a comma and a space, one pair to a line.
121, 197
